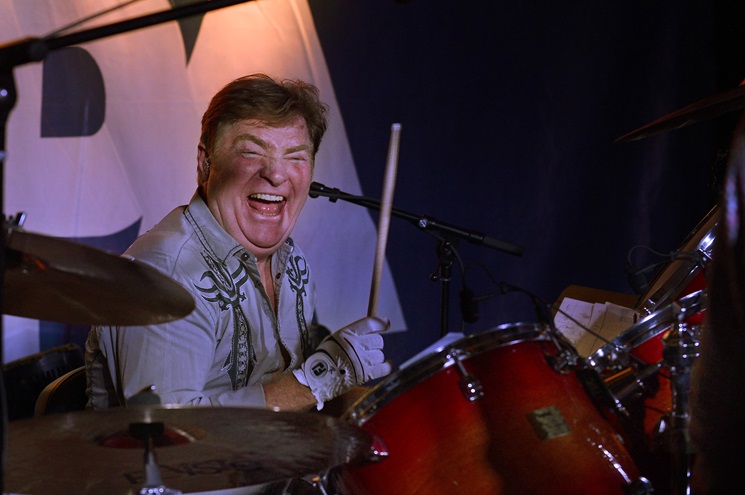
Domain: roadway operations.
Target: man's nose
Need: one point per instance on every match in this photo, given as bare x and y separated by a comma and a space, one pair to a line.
274, 171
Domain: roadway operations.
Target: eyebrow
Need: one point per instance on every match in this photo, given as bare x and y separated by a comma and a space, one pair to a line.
263, 144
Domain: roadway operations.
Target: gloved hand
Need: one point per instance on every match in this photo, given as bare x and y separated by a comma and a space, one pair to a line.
347, 358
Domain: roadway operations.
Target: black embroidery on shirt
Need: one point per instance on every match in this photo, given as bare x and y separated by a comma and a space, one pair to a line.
225, 290
298, 275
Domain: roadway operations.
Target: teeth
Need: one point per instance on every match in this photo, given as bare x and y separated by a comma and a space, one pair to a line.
267, 197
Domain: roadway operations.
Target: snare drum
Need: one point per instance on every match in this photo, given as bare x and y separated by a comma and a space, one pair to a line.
676, 280
488, 414
634, 371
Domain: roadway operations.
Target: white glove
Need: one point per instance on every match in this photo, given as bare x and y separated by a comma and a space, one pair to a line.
347, 358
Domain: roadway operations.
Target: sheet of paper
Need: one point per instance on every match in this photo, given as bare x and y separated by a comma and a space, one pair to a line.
605, 320
571, 317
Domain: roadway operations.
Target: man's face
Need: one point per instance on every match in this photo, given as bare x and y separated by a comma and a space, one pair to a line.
257, 181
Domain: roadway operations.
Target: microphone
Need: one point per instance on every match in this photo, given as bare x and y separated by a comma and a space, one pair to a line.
637, 279
469, 235
469, 302
318, 189
469, 305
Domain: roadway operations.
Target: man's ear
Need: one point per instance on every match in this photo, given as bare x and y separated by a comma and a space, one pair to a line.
203, 165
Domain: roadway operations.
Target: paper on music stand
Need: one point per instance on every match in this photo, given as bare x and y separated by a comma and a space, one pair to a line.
607, 320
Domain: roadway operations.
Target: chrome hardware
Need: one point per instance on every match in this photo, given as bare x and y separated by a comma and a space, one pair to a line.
563, 362
640, 486
679, 351
470, 386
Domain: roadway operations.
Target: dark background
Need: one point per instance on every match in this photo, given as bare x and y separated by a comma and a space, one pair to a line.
509, 113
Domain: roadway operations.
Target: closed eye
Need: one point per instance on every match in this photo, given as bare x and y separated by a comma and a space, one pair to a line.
250, 153
298, 158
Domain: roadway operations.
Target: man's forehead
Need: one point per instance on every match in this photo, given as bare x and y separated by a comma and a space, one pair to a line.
260, 132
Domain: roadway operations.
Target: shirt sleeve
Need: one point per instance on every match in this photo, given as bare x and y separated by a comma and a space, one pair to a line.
175, 357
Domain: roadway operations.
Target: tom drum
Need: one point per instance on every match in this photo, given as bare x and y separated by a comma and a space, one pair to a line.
491, 413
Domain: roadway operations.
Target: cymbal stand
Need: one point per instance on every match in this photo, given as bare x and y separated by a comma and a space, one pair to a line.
153, 481
680, 349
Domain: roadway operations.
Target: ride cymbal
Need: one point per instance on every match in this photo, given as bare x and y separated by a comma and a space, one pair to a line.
706, 109
200, 449
48, 278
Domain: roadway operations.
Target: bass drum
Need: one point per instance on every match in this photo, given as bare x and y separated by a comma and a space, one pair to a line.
533, 431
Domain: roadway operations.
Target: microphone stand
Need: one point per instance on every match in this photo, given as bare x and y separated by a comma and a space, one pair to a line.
448, 233
444, 273
31, 49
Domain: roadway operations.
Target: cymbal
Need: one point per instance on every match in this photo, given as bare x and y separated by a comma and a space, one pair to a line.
708, 108
201, 449
49, 278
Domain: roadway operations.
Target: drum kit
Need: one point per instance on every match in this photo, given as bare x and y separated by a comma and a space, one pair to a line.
511, 410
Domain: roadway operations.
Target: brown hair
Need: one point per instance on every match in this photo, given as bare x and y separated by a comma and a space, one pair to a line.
274, 102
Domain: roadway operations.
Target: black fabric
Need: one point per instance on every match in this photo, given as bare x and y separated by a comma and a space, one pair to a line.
509, 113
717, 380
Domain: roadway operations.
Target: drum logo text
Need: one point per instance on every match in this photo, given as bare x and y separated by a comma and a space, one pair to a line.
548, 423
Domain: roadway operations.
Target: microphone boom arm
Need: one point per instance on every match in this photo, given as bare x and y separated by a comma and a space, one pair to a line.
423, 222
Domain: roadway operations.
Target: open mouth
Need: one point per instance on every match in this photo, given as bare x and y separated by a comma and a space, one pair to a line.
267, 204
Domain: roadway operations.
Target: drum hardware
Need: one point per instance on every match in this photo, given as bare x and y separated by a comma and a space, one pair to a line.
631, 384
617, 359
470, 386
567, 359
610, 357
626, 377
640, 486
680, 350
564, 362
153, 485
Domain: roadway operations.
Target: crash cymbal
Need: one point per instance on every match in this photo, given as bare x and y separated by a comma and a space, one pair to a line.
201, 449
53, 279
706, 109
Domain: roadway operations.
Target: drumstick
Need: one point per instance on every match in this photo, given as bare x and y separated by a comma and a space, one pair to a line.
385, 216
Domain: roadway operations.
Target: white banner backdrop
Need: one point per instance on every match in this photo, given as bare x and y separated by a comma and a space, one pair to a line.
139, 162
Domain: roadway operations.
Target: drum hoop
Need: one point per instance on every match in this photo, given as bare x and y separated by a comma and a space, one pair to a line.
654, 324
671, 280
472, 345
